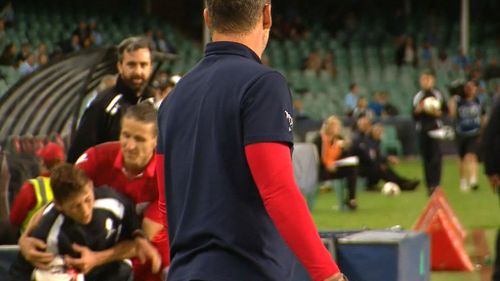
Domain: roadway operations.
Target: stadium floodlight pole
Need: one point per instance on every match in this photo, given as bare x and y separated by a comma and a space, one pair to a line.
464, 26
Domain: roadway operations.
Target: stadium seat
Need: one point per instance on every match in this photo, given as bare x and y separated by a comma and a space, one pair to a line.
390, 142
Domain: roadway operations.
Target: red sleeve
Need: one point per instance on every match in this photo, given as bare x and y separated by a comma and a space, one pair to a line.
87, 163
272, 170
23, 203
157, 212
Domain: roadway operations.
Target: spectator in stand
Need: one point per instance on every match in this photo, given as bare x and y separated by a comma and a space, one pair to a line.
377, 103
469, 114
492, 69
351, 99
442, 62
461, 62
362, 109
41, 50
328, 64
101, 120
476, 77
313, 62
82, 31
7, 14
94, 33
73, 45
23, 53
2, 31
426, 55
43, 59
28, 65
36, 193
8, 57
162, 44
406, 53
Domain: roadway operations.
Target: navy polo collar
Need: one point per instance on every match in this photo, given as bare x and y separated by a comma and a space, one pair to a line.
230, 48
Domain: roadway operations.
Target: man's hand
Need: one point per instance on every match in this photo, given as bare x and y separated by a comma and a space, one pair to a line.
146, 252
337, 277
87, 261
33, 251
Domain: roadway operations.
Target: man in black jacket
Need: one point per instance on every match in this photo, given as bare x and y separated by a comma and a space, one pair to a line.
101, 120
491, 152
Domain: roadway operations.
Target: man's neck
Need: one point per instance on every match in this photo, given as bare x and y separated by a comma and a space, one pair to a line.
250, 40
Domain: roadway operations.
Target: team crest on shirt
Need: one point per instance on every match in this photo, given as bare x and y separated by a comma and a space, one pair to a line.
290, 120
82, 158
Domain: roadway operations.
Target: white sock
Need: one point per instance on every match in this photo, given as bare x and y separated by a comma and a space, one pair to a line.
463, 184
473, 180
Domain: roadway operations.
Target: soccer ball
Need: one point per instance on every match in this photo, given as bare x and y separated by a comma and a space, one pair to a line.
57, 272
431, 104
390, 189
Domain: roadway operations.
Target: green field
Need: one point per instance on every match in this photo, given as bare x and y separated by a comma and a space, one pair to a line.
475, 210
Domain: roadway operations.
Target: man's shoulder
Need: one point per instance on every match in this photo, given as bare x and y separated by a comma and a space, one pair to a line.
104, 98
106, 152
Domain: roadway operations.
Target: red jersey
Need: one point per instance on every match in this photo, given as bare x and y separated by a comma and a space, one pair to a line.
103, 163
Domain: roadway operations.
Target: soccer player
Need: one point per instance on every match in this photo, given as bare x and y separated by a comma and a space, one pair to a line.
129, 166
234, 209
92, 229
427, 122
468, 113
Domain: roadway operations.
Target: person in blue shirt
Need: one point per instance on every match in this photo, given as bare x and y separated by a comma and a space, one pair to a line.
224, 149
351, 99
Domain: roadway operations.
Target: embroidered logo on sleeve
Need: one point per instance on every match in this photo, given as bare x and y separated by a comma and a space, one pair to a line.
290, 120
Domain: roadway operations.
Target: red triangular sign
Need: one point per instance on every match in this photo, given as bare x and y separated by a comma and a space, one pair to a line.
447, 251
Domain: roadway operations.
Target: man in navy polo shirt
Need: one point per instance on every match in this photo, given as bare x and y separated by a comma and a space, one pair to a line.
234, 209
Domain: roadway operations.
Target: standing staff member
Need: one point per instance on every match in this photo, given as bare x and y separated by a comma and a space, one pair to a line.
427, 122
101, 120
491, 148
234, 209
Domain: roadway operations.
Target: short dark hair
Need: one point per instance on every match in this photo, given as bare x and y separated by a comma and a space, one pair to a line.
235, 16
352, 86
144, 112
132, 44
66, 181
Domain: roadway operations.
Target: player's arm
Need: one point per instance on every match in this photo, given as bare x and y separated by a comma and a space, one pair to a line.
139, 247
33, 249
452, 107
272, 170
490, 142
24, 202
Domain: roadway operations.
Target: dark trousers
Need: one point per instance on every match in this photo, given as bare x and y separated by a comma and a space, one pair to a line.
350, 173
379, 171
432, 160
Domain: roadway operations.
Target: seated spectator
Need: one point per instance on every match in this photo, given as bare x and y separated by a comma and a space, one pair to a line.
442, 63
162, 44
333, 148
461, 61
29, 65
373, 165
492, 70
23, 53
8, 56
351, 99
96, 229
328, 65
377, 104
362, 109
94, 34
406, 53
36, 193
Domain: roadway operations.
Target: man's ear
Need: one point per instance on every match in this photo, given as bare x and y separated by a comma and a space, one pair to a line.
207, 19
267, 20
